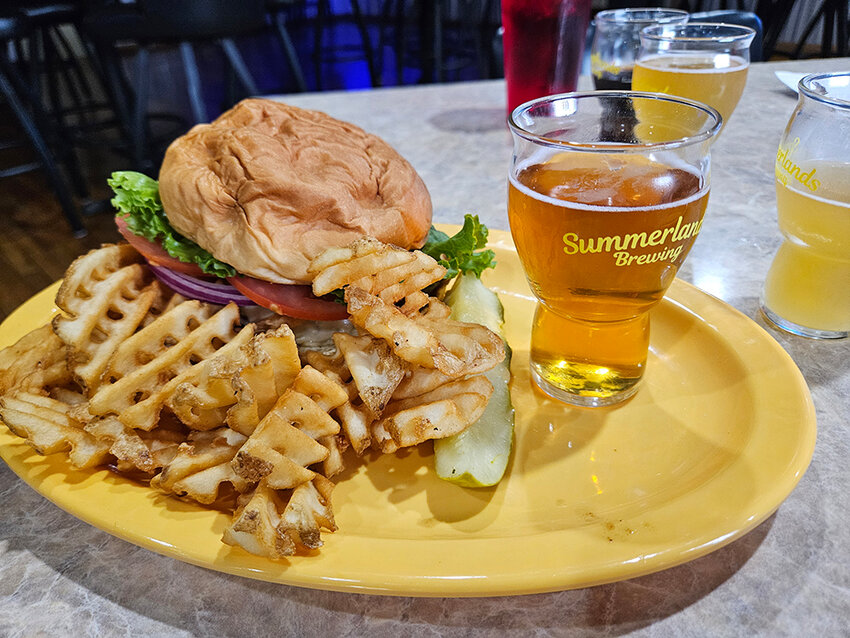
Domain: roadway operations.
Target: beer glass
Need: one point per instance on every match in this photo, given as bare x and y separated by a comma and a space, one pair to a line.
601, 223
700, 61
807, 290
616, 40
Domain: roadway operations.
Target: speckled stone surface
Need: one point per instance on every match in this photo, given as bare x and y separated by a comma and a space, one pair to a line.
788, 577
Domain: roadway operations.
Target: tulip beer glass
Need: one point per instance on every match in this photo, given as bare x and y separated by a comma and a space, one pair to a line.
807, 290
700, 61
616, 40
602, 223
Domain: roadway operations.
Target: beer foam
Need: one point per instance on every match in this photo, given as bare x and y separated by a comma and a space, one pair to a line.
604, 209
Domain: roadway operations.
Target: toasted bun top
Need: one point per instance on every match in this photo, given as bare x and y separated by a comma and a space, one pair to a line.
266, 187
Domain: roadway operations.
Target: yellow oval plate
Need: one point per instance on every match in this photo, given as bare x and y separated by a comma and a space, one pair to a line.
718, 435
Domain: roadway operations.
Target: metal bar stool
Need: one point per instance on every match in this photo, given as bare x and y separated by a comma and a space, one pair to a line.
25, 104
183, 24
326, 20
834, 16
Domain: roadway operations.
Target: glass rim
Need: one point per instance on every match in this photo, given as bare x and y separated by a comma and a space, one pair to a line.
628, 16
616, 147
735, 33
805, 88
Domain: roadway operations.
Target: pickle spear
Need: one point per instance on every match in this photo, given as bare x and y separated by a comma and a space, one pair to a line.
478, 456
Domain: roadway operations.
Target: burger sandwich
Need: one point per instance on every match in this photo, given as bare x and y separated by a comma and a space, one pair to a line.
243, 204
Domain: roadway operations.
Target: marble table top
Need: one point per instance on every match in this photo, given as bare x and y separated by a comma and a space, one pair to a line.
790, 576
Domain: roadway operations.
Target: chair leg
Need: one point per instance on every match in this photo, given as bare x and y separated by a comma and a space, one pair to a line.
439, 72
117, 89
807, 32
193, 83
289, 51
76, 85
74, 66
322, 13
53, 127
138, 129
401, 41
828, 26
57, 76
50, 68
367, 42
51, 169
239, 67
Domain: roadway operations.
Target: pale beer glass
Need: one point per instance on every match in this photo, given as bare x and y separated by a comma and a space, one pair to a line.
807, 289
705, 62
602, 218
616, 40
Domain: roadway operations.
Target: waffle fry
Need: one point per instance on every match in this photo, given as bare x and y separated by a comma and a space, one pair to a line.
167, 300
446, 411
381, 439
387, 271
355, 421
452, 347
334, 463
466, 348
267, 525
167, 352
203, 405
408, 340
339, 266
35, 361
238, 388
331, 365
203, 402
85, 272
436, 310
157, 338
376, 370
136, 449
46, 425
115, 308
308, 510
201, 465
285, 443
258, 387
401, 282
354, 417
326, 393
418, 381
174, 392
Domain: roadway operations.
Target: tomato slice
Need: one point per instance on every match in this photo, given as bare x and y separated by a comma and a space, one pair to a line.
288, 299
155, 253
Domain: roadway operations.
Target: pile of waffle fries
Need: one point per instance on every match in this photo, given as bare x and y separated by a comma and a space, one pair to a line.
197, 402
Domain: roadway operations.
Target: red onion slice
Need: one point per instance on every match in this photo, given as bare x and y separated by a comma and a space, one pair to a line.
194, 288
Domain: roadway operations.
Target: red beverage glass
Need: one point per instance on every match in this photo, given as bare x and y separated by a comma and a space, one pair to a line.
543, 42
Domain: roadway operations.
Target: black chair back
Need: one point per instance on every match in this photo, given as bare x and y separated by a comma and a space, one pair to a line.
742, 18
175, 20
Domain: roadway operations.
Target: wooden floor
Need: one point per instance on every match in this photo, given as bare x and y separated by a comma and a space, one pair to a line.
36, 243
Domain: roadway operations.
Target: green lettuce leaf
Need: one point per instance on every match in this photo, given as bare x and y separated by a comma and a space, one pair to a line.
462, 252
137, 201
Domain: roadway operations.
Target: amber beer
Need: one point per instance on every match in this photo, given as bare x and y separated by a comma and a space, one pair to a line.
601, 237
602, 217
